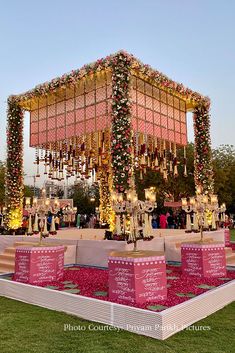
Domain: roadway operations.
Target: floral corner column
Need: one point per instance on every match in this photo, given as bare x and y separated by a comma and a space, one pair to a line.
121, 141
203, 173
14, 164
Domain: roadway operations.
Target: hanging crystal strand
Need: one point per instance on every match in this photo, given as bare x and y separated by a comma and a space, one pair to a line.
175, 162
143, 156
99, 149
62, 170
152, 157
161, 158
96, 176
50, 162
37, 162
56, 163
170, 160
41, 156
165, 176
74, 156
136, 150
148, 154
67, 158
185, 163
90, 157
103, 142
53, 165
164, 155
60, 159
156, 162
45, 162
83, 158
70, 154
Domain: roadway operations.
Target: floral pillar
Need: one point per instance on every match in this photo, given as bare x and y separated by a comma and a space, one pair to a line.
14, 165
107, 214
203, 173
121, 141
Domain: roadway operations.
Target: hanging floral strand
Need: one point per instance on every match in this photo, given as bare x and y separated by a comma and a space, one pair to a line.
14, 170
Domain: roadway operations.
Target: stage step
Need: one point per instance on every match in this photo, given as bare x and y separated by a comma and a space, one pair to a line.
10, 250
231, 260
7, 257
25, 243
7, 266
228, 250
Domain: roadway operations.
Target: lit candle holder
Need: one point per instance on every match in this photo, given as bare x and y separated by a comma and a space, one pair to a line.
153, 197
147, 194
214, 199
129, 195
205, 199
198, 190
27, 201
120, 197
192, 200
35, 201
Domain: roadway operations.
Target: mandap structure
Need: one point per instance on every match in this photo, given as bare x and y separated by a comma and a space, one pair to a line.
105, 121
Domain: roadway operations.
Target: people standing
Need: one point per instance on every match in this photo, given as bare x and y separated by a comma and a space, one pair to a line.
57, 222
163, 221
78, 223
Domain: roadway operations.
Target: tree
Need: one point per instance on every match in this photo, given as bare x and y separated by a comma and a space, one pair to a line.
174, 188
85, 197
224, 174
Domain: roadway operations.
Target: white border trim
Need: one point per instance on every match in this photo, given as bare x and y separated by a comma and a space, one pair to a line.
158, 325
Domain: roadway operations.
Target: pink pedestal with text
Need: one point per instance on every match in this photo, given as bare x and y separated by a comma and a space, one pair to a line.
203, 259
227, 237
39, 264
137, 279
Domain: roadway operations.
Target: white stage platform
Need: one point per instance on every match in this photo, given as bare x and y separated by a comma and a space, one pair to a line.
87, 247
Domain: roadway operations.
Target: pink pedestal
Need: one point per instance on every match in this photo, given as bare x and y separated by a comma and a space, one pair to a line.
39, 264
227, 237
137, 279
203, 260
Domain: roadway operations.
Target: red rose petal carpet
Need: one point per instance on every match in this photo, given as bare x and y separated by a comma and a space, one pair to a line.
93, 282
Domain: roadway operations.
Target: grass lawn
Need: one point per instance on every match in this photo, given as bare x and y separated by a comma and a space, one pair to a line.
232, 233
26, 328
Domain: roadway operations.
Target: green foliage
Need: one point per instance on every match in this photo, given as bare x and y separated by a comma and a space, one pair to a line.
82, 194
223, 159
28, 192
173, 188
32, 329
224, 174
27, 189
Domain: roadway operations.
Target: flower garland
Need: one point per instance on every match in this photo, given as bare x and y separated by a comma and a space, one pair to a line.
72, 77
168, 84
14, 166
107, 214
121, 124
203, 173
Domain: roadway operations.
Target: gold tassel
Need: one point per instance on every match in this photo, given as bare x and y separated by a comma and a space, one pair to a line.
185, 163
171, 162
165, 174
175, 162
